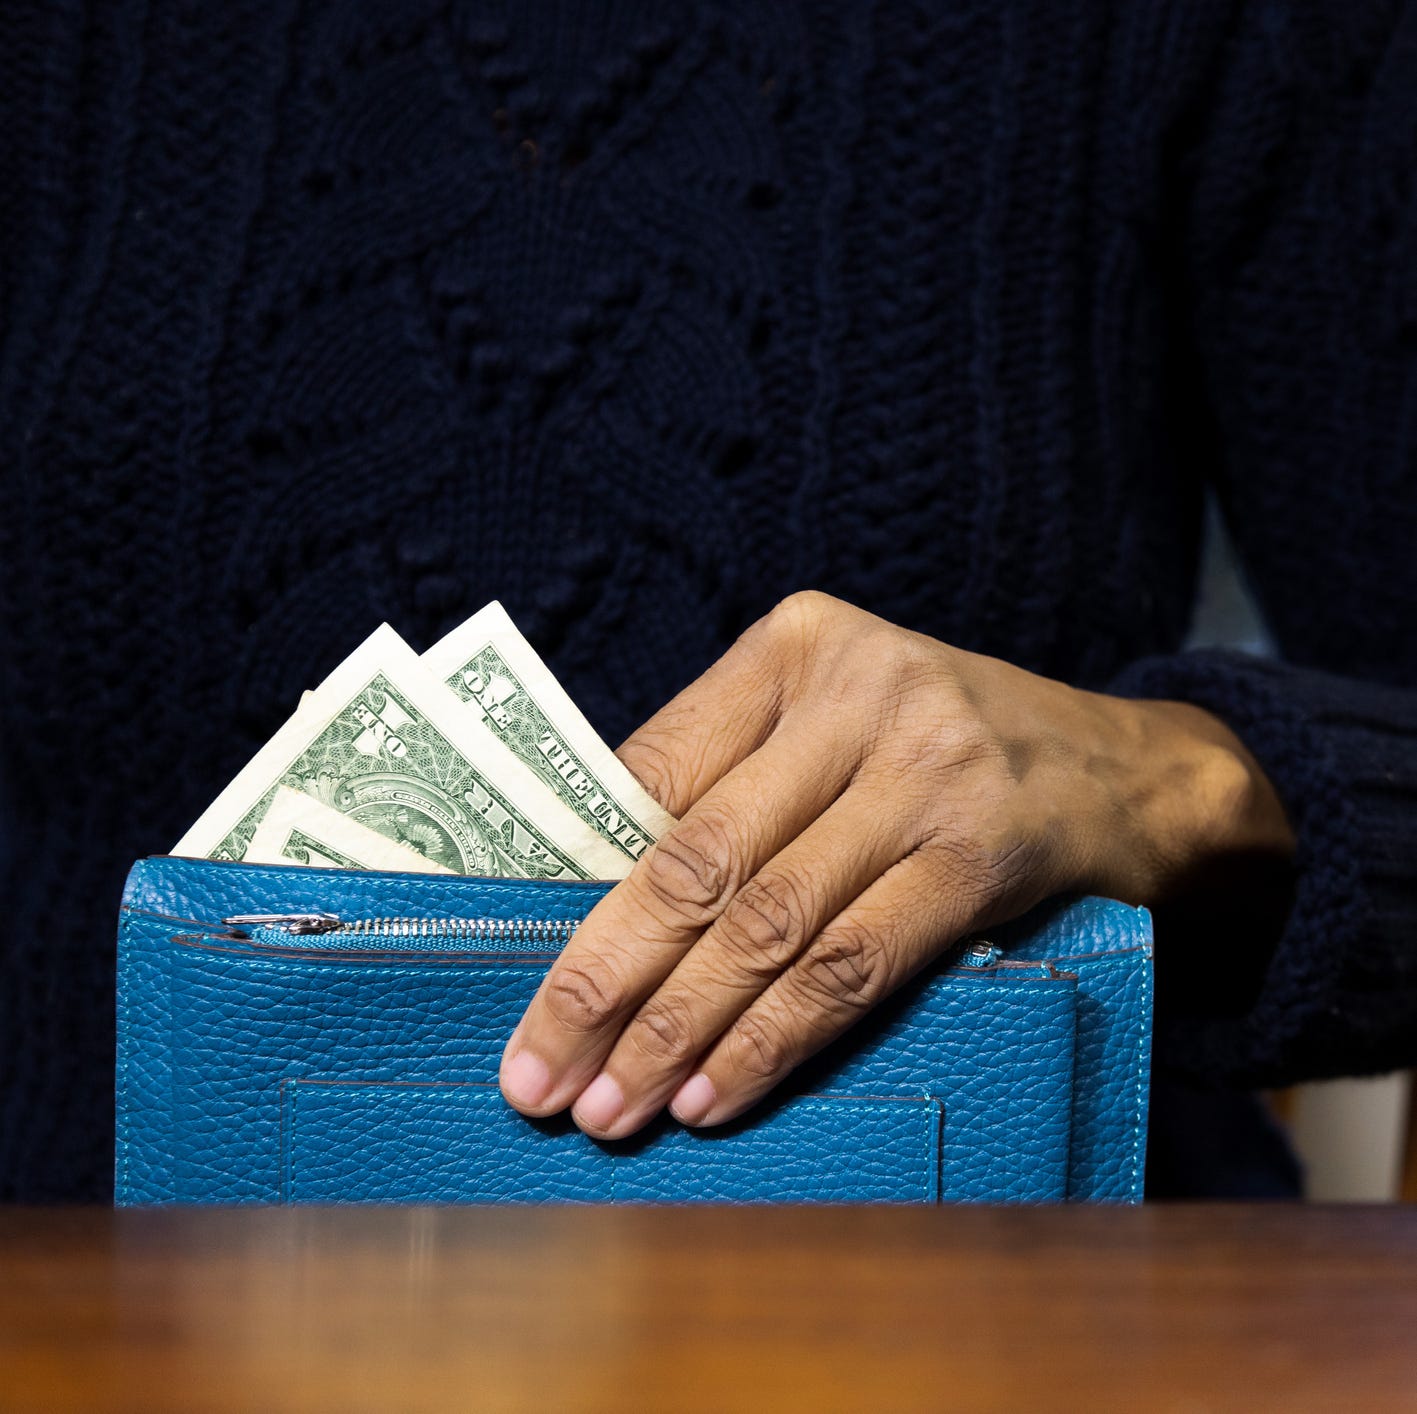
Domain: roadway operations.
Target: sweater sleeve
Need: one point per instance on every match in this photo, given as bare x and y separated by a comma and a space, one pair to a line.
1300, 237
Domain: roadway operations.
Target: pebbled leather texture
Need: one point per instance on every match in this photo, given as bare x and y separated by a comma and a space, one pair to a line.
1107, 945
361, 1141
271, 1068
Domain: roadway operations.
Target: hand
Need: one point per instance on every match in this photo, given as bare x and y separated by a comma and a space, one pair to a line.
855, 798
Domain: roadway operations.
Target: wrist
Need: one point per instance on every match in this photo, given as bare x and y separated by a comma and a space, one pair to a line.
1201, 805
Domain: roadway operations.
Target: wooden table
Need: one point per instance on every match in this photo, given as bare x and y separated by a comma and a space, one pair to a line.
1185, 1308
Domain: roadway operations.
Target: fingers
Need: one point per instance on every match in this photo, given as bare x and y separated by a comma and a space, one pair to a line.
765, 927
715, 723
639, 932
907, 917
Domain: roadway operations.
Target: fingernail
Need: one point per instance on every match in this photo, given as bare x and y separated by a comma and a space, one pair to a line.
693, 1100
601, 1103
526, 1080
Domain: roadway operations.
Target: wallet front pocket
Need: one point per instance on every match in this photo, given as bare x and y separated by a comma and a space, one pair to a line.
429, 1141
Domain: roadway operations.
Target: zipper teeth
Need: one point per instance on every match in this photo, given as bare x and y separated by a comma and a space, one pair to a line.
497, 930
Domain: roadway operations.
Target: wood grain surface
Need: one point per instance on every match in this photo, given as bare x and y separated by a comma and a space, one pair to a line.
1174, 1308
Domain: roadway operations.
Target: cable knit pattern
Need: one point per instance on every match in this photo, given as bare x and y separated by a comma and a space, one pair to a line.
639, 316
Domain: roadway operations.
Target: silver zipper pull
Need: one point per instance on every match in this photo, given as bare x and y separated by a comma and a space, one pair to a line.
300, 924
981, 954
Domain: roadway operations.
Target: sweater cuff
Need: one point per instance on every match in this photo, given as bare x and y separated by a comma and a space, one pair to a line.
1337, 978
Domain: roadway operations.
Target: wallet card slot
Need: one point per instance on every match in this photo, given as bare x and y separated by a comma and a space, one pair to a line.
436, 1142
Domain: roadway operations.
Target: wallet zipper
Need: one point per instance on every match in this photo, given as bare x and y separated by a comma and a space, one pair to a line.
981, 954
511, 930
501, 932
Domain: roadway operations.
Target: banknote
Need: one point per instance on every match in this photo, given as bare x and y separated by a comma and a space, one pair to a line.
383, 741
298, 829
506, 686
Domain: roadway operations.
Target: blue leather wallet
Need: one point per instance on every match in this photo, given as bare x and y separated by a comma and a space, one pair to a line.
293, 1035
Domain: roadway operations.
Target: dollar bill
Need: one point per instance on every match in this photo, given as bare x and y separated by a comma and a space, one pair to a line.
298, 829
516, 697
383, 741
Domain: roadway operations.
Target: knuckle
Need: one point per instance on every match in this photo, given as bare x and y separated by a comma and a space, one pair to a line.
896, 659
582, 998
664, 1031
806, 604
758, 1046
970, 741
765, 926
921, 690
990, 870
849, 966
903, 776
651, 763
693, 870
801, 617
963, 753
1006, 866
954, 857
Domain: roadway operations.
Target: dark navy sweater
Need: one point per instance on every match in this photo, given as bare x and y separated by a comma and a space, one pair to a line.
640, 316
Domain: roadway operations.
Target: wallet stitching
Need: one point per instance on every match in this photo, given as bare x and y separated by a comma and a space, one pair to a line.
394, 1084
124, 1147
1105, 952
938, 1143
185, 864
289, 1180
162, 917
287, 1143
125, 953
1141, 1035
252, 948
1136, 1112
257, 951
818, 1099
974, 977
925, 1192
294, 1104
286, 1177
263, 953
